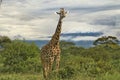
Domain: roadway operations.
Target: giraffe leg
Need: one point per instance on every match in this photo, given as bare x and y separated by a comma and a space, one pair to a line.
44, 65
57, 62
51, 63
45, 72
45, 68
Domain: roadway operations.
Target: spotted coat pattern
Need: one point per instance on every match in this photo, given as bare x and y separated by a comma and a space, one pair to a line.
50, 53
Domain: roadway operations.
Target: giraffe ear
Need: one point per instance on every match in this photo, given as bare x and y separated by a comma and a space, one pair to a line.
67, 12
55, 12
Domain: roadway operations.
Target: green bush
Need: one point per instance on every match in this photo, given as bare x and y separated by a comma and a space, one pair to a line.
21, 57
67, 72
100, 62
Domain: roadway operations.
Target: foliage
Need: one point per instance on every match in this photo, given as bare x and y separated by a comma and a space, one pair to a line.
67, 72
106, 40
20, 77
100, 62
64, 44
20, 57
3, 41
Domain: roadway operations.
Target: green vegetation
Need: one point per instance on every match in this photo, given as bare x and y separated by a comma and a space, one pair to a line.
21, 61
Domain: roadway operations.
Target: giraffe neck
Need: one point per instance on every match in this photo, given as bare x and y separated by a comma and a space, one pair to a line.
56, 37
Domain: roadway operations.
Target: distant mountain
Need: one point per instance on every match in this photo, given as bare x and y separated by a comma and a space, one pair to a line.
84, 43
73, 35
40, 43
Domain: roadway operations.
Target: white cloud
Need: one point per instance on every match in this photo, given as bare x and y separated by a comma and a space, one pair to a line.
84, 38
32, 20
73, 27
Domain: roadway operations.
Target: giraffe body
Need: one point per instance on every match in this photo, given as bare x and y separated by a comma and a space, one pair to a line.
50, 53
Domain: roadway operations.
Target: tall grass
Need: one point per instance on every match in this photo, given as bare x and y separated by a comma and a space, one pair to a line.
21, 77
115, 76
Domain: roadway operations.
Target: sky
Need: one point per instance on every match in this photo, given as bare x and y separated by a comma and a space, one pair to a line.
36, 19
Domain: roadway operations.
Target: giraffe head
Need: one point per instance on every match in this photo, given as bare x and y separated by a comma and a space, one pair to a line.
62, 13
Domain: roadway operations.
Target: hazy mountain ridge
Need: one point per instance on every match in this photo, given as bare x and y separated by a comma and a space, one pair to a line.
81, 43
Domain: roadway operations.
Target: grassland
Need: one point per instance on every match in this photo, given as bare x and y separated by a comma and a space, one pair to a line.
115, 76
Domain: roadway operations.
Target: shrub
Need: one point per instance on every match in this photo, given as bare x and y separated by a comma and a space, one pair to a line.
67, 72
21, 57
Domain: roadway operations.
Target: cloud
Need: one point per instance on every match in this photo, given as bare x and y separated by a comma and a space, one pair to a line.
105, 21
3, 29
35, 19
95, 34
81, 36
75, 27
89, 38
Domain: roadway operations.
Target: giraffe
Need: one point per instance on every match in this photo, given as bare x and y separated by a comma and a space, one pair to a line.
50, 53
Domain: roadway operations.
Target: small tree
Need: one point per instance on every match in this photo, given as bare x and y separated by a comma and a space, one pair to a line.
4, 40
106, 40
